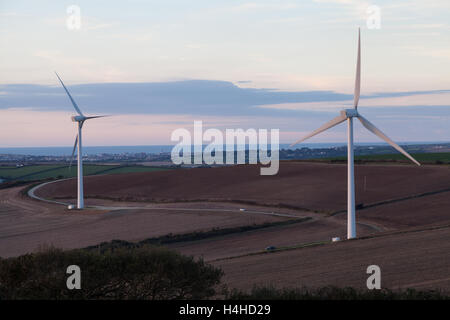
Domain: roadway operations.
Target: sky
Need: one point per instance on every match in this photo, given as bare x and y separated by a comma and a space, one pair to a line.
156, 66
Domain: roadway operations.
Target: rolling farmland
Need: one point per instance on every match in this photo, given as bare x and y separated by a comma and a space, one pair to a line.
39, 172
402, 220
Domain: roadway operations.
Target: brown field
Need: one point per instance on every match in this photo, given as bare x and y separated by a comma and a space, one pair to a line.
393, 200
421, 211
414, 260
256, 241
311, 186
26, 224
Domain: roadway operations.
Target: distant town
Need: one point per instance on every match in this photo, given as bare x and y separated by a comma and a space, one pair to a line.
164, 158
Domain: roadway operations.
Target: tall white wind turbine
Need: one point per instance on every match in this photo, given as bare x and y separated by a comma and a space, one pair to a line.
349, 114
80, 119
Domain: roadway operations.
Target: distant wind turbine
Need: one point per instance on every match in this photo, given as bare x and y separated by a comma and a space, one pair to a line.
349, 114
80, 119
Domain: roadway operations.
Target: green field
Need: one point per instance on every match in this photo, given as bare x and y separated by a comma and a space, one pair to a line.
437, 157
39, 172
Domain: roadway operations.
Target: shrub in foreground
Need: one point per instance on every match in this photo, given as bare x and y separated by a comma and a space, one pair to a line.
123, 273
333, 293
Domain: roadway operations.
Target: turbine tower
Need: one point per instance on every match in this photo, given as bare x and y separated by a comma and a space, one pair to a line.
348, 115
79, 119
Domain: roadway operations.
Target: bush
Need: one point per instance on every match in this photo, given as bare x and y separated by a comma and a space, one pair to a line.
333, 293
121, 273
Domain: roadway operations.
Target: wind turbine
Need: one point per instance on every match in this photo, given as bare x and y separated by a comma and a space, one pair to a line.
80, 119
348, 115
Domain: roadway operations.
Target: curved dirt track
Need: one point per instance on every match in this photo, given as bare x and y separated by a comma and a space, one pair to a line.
311, 186
26, 224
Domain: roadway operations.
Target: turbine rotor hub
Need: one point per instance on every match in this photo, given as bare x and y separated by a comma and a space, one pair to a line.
78, 118
350, 113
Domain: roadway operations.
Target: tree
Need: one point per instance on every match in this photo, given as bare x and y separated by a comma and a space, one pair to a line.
113, 273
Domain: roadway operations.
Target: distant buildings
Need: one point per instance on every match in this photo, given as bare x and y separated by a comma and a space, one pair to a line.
164, 157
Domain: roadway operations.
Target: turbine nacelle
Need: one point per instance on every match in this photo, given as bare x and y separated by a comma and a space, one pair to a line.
349, 113
84, 118
78, 118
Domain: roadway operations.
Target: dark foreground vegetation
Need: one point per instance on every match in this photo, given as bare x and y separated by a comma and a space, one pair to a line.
333, 293
151, 273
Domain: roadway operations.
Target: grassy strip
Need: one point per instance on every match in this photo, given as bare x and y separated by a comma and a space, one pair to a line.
134, 169
192, 236
428, 158
280, 249
362, 206
14, 173
391, 233
38, 172
64, 172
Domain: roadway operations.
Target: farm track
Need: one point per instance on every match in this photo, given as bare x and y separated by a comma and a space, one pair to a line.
317, 188
26, 224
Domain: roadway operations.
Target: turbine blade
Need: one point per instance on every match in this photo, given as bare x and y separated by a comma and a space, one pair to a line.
93, 117
358, 73
369, 126
73, 151
326, 126
70, 97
